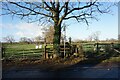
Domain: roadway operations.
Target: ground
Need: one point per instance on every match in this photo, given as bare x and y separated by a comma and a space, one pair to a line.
23, 61
55, 63
60, 68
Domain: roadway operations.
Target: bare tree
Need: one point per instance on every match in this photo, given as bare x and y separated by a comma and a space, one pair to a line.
96, 35
112, 39
119, 37
49, 34
9, 39
26, 40
55, 13
30, 40
38, 39
90, 38
23, 39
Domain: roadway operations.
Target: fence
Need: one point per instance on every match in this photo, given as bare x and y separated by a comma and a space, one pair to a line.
97, 46
64, 52
15, 51
94, 49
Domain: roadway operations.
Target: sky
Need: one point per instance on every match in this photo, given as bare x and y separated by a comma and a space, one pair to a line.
107, 25
119, 19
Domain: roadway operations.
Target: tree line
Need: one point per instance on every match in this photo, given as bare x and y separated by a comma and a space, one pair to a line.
48, 34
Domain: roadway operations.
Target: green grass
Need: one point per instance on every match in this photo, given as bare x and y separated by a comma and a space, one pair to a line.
19, 45
88, 47
112, 59
18, 50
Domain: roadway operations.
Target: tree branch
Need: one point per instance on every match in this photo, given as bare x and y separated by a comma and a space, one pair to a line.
65, 12
80, 8
32, 10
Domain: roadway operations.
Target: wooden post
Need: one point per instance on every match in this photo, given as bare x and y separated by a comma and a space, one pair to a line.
112, 45
76, 49
45, 48
23, 53
2, 52
70, 40
64, 38
70, 45
97, 47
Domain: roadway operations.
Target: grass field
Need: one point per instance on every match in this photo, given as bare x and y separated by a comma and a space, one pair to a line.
24, 50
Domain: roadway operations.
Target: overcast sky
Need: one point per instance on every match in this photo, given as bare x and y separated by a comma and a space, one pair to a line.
107, 26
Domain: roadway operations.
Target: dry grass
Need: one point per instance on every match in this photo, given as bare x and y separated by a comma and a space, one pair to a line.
55, 63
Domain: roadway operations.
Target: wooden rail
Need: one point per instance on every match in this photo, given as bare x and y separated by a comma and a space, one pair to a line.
116, 51
69, 50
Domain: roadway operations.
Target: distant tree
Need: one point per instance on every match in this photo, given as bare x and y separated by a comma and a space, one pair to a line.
77, 40
119, 37
30, 40
49, 34
112, 39
26, 40
23, 39
9, 39
90, 38
96, 35
107, 39
38, 39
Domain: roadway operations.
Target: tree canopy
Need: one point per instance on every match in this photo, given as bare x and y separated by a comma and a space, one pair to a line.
48, 11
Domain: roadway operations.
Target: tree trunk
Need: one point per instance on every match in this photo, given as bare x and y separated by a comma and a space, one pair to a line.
57, 33
56, 39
